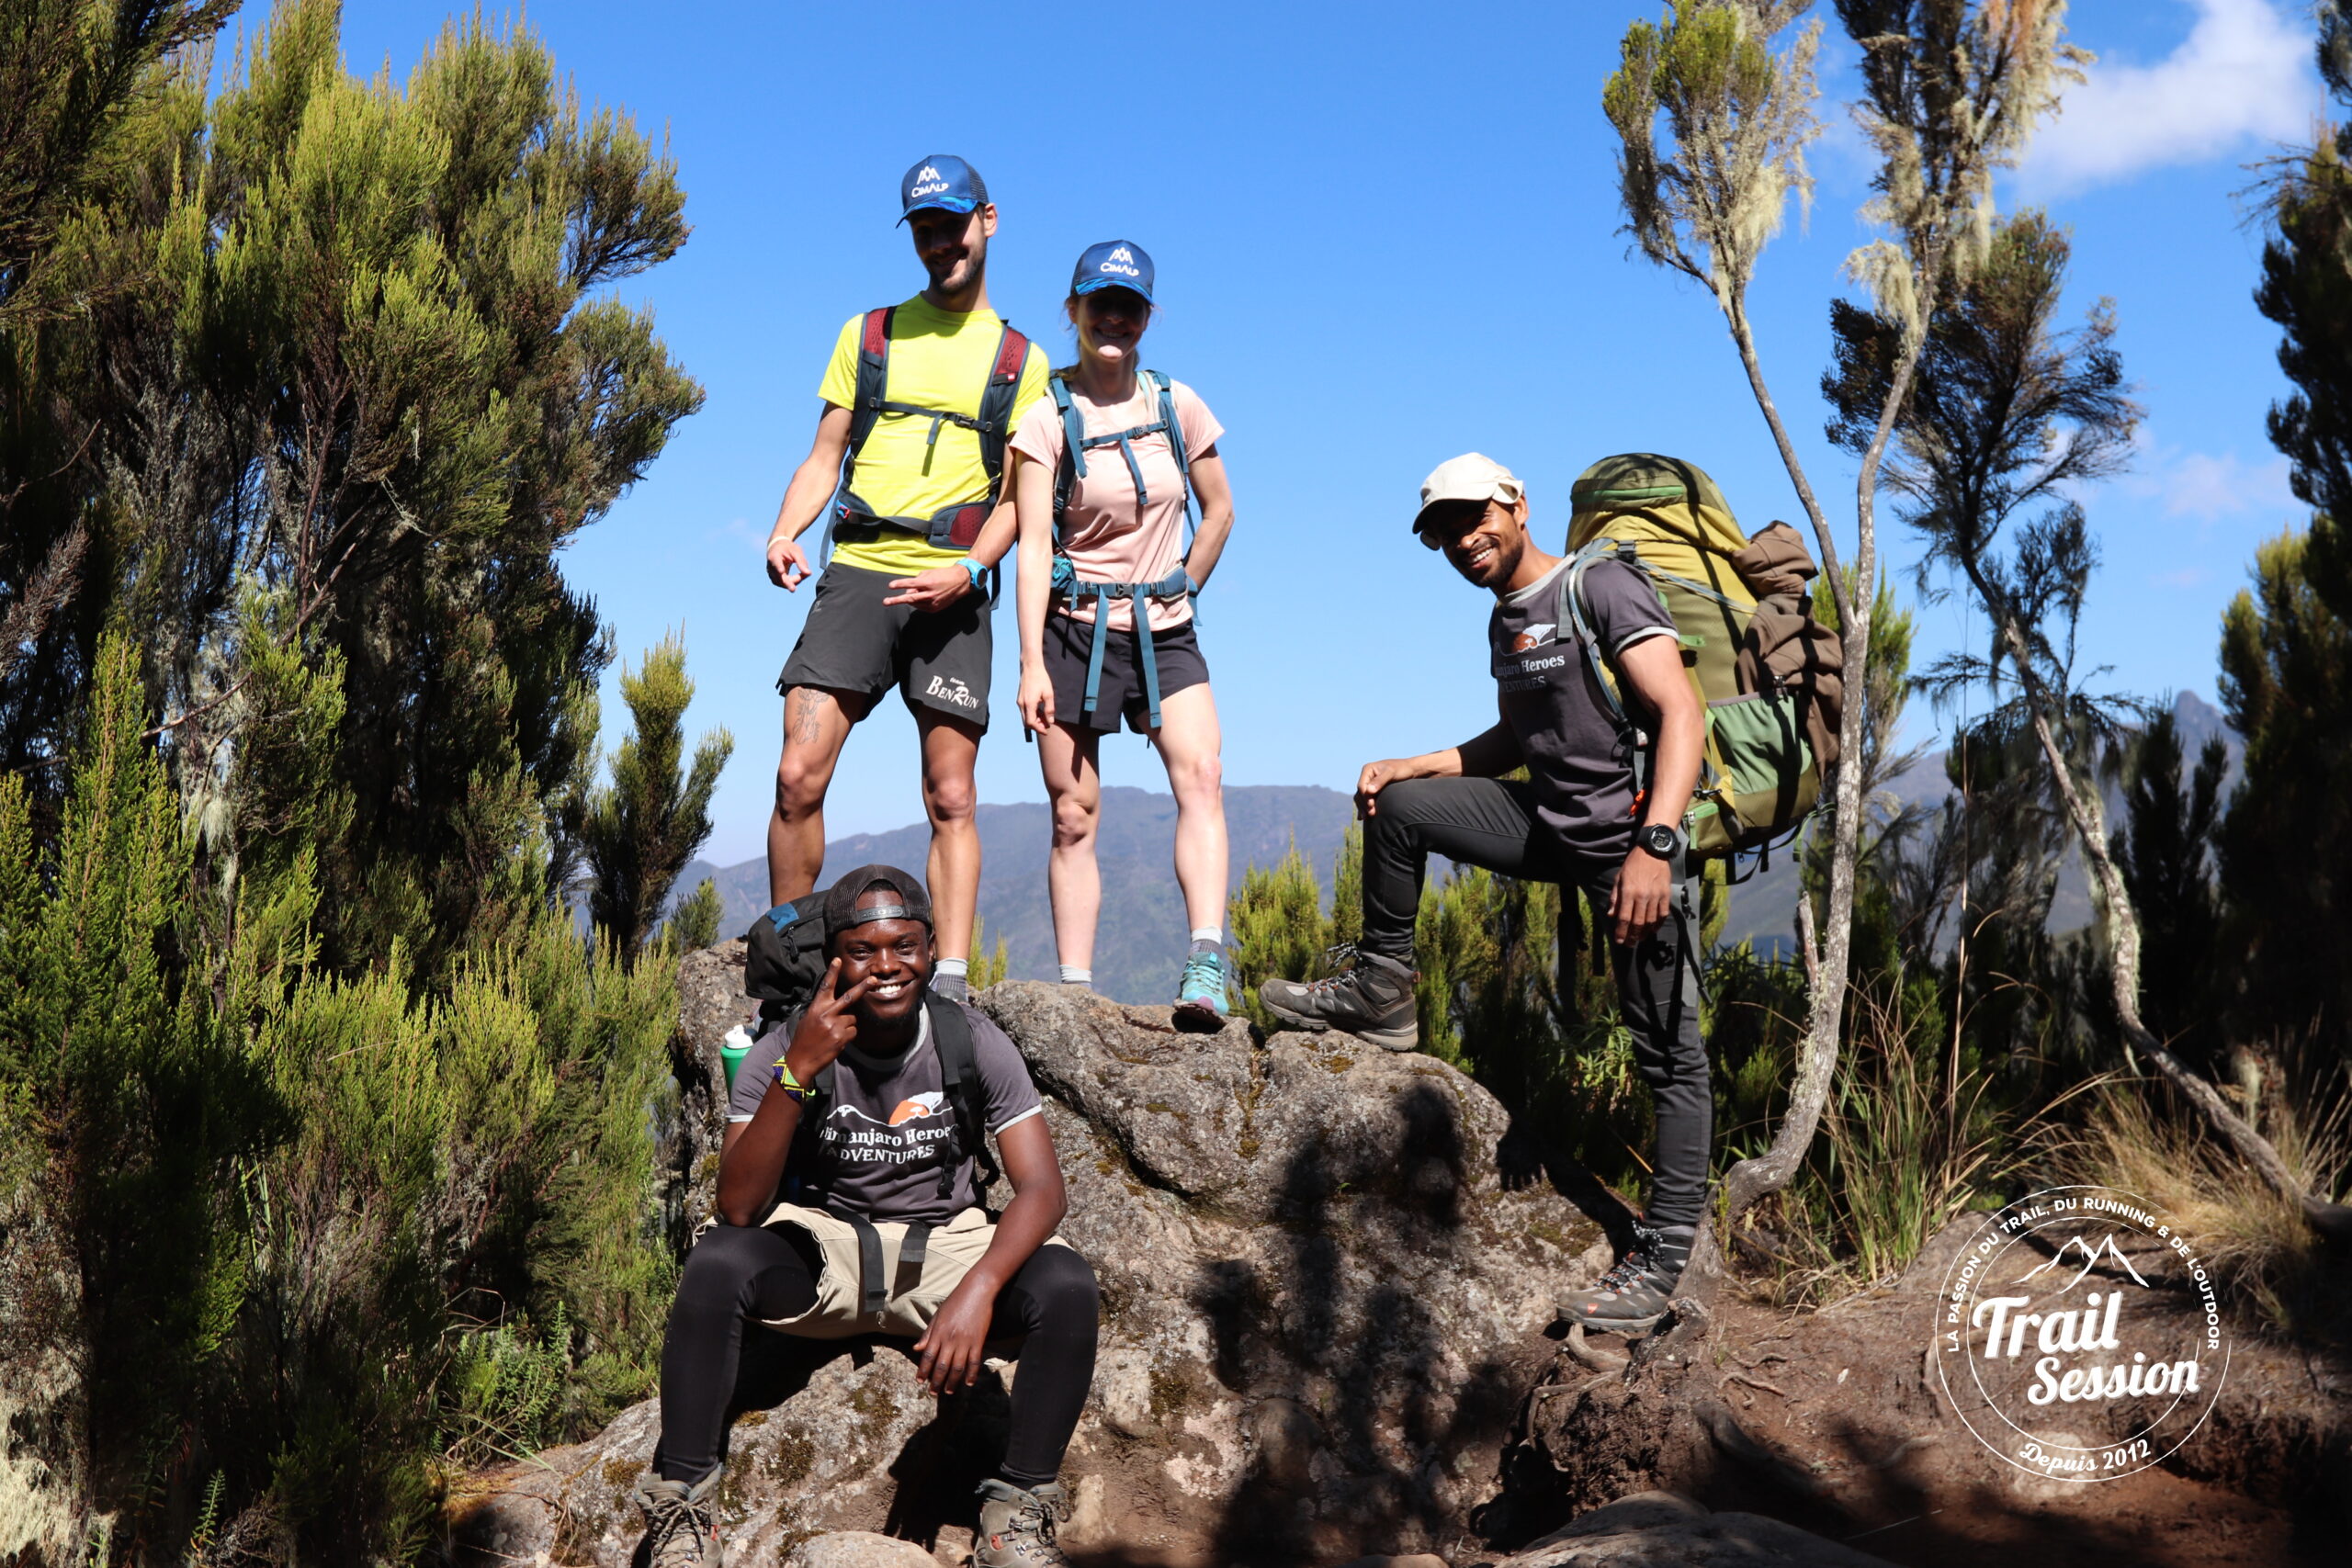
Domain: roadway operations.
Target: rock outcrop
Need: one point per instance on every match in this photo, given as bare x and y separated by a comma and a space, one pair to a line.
1321, 1314
1652, 1529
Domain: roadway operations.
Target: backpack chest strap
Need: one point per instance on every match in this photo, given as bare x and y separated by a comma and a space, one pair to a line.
876, 1285
1068, 583
1124, 441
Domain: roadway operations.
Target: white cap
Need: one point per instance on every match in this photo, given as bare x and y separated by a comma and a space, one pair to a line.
1473, 476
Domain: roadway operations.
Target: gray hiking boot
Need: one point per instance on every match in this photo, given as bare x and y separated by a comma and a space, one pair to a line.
950, 987
1017, 1525
1632, 1297
1372, 1000
680, 1522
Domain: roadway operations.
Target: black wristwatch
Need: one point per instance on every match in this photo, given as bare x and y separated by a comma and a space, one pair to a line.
1661, 840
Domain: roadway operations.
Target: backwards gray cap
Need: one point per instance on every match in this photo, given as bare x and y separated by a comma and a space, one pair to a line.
841, 912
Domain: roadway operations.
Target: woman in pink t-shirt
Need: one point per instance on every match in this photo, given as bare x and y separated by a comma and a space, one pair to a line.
1099, 545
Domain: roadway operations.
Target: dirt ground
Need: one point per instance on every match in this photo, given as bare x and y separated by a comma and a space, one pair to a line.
1839, 1423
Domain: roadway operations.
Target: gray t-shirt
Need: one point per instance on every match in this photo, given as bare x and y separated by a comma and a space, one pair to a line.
884, 1134
1579, 759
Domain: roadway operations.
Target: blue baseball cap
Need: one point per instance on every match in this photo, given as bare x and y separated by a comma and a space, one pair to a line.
944, 181
1114, 264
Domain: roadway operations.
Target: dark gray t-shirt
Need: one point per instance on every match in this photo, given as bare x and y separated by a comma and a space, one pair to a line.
1579, 759
884, 1133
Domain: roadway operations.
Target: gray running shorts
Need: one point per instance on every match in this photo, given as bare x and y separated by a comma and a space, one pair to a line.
1177, 651
854, 642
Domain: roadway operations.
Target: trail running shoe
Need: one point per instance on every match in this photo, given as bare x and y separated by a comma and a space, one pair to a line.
1372, 1000
1017, 1525
680, 1522
1199, 994
1633, 1296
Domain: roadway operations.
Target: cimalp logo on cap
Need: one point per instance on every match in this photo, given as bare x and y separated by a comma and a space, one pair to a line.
928, 182
1122, 260
2056, 1325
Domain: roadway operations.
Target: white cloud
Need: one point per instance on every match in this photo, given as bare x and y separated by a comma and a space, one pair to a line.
2243, 76
2208, 486
2205, 485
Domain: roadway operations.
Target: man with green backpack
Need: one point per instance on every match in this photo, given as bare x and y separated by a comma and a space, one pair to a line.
1630, 758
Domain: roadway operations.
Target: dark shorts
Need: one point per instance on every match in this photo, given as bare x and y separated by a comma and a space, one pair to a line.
854, 642
1177, 651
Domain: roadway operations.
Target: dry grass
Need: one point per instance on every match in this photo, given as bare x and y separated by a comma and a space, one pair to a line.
1910, 1139
2254, 1239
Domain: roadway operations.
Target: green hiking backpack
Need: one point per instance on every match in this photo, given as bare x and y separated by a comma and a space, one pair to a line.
1769, 675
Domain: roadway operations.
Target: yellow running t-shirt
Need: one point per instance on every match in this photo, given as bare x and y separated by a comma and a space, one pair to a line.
938, 360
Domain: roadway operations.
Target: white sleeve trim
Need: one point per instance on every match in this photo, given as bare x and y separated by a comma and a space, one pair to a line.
733, 1120
1641, 634
1016, 1122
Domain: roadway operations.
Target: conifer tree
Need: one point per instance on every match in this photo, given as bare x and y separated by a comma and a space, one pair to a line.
347, 350
2162, 851
642, 829
694, 923
2286, 844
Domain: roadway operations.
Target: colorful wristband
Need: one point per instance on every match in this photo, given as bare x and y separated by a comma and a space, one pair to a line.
973, 569
790, 1085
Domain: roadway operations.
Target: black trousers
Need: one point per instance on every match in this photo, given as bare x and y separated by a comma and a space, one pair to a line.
1491, 823
739, 1272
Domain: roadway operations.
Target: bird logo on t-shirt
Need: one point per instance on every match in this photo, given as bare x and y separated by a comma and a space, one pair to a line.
1533, 636
918, 1105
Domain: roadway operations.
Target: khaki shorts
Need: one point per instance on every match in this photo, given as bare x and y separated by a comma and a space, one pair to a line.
913, 1294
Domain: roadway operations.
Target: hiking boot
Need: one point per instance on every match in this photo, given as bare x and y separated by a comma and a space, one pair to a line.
950, 987
1017, 1526
680, 1522
1200, 994
1632, 1297
1372, 1000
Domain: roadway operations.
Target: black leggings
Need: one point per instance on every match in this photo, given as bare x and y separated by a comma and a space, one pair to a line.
737, 1272
1491, 823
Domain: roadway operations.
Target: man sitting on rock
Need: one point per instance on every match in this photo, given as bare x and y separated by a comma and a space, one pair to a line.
1582, 819
857, 1126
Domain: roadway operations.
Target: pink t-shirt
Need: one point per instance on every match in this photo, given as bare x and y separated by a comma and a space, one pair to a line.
1101, 533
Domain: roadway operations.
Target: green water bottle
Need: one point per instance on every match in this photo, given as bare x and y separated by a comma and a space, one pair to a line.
732, 1049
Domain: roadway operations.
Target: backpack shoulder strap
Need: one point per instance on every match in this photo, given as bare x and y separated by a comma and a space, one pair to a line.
959, 1078
997, 400
1576, 614
872, 376
1175, 428
1072, 467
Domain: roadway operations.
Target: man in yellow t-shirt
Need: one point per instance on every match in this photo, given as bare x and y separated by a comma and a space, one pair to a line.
919, 520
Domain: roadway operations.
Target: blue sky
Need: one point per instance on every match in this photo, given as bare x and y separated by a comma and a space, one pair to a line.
1386, 234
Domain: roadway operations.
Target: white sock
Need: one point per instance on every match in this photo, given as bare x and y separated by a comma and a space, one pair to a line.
959, 967
1073, 976
1209, 933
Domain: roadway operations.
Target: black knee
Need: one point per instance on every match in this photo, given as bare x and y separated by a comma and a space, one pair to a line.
1062, 1285
720, 1271
720, 1256
1404, 806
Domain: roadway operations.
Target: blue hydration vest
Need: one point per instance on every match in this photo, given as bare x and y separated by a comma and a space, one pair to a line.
1076, 444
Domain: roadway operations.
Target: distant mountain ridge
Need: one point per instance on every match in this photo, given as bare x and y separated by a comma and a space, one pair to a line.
1139, 942
1763, 909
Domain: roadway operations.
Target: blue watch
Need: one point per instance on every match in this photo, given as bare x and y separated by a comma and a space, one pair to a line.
973, 569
